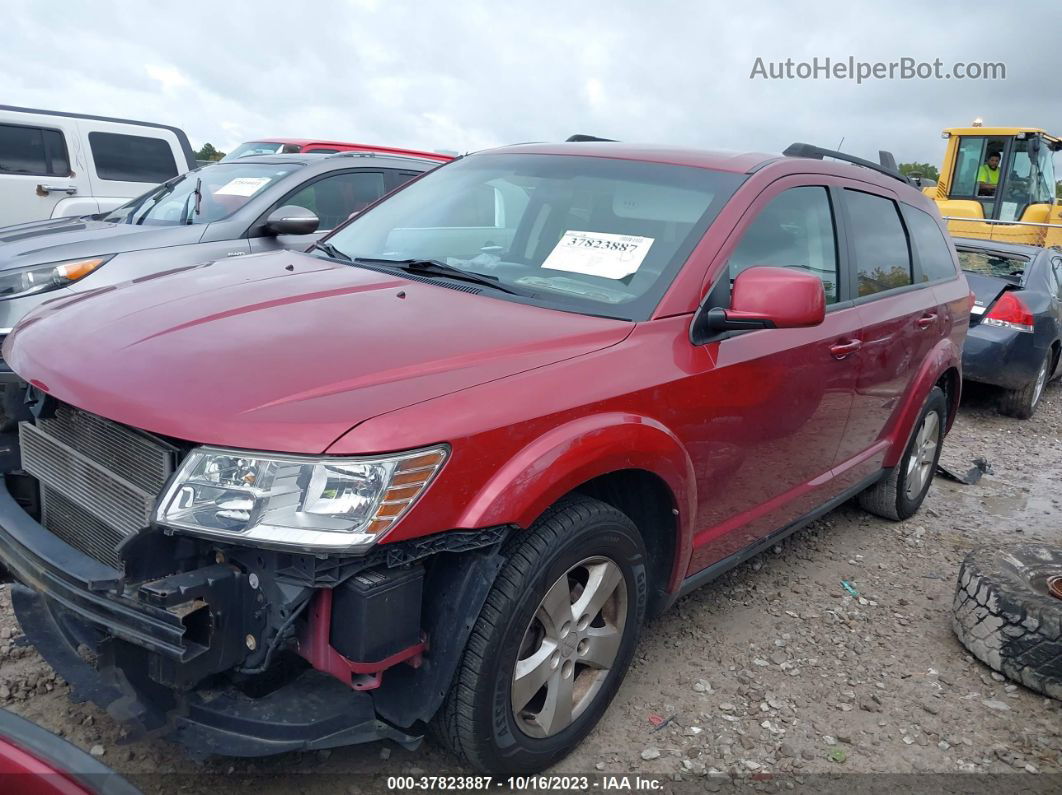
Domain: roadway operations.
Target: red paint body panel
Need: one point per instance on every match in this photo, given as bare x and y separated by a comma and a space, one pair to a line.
748, 433
31, 776
251, 355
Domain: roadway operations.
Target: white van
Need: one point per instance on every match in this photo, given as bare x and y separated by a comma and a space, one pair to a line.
55, 164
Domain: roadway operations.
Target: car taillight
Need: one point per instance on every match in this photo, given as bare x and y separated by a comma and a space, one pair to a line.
1010, 312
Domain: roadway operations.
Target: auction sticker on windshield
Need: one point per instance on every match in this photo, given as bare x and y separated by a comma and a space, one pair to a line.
241, 186
598, 254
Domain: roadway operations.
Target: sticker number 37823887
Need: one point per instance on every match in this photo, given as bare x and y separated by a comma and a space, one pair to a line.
598, 254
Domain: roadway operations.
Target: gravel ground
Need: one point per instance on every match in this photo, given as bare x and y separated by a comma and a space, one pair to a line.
775, 668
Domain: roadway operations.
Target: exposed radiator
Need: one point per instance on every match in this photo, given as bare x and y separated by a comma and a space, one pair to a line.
99, 480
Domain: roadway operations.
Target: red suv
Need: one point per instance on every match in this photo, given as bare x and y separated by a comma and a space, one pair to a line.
439, 469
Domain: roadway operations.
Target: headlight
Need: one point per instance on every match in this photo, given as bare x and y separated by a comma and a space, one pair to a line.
293, 501
41, 278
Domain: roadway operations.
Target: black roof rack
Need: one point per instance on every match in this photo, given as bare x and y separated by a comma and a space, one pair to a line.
886, 167
579, 138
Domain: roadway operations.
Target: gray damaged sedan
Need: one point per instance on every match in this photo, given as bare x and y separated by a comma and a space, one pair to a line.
254, 205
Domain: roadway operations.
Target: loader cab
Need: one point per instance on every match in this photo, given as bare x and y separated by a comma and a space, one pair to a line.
1020, 206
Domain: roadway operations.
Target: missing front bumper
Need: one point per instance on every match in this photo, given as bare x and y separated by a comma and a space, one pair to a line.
310, 712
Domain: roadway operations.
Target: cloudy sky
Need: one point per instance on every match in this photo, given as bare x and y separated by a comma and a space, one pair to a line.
466, 75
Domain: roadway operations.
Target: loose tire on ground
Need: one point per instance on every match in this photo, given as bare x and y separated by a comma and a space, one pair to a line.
478, 721
1006, 616
889, 498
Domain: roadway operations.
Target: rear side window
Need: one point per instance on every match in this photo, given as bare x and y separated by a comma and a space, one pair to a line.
934, 253
334, 198
131, 158
882, 253
33, 150
795, 230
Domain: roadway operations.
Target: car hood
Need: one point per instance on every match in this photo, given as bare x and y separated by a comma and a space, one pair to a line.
59, 239
283, 351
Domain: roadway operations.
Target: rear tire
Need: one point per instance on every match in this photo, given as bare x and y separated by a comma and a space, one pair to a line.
900, 493
580, 547
1021, 403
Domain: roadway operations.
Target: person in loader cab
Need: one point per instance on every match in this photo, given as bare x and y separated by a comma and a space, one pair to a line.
988, 176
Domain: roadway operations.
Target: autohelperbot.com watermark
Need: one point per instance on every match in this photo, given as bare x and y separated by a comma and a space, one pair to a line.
850, 68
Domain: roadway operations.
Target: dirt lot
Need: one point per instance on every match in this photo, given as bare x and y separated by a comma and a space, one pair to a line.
775, 668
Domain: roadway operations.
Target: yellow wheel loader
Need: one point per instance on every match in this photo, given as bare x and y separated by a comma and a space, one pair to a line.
998, 183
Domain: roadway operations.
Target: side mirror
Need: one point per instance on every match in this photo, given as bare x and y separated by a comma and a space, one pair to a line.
291, 220
764, 297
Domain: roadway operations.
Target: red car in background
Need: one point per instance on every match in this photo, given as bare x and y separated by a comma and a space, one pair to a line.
312, 146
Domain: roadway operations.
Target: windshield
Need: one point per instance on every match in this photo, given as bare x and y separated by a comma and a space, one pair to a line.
259, 148
990, 263
589, 234
1031, 179
222, 190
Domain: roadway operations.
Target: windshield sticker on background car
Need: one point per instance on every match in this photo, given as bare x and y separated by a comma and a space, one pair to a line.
242, 186
598, 254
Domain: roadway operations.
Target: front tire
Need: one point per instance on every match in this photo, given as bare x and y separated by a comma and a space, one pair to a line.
900, 493
552, 643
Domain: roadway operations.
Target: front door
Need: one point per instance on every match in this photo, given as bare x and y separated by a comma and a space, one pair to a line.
777, 400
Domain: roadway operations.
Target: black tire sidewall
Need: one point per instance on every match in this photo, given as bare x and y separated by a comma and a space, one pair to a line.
513, 750
906, 506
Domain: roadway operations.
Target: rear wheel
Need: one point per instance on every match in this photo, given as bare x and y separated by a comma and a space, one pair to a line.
1022, 403
900, 493
553, 642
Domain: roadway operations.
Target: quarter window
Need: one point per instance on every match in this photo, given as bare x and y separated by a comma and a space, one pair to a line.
882, 252
795, 230
131, 158
334, 198
33, 150
934, 253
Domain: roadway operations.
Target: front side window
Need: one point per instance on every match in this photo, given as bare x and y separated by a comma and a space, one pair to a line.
934, 253
131, 158
592, 234
33, 150
334, 198
882, 253
795, 230
202, 196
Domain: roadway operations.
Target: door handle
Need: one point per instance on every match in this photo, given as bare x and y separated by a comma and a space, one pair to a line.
67, 189
926, 320
843, 349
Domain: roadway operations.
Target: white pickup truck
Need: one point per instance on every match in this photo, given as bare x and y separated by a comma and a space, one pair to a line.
55, 164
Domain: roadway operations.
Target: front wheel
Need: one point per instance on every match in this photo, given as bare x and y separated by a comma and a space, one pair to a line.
901, 492
552, 643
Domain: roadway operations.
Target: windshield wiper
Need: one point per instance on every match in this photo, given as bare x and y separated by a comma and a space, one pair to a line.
330, 250
163, 193
434, 267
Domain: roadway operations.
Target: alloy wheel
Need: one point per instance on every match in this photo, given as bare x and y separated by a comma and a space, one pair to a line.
923, 455
569, 647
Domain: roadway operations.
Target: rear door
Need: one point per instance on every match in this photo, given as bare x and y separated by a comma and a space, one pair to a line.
36, 170
901, 322
776, 401
126, 160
